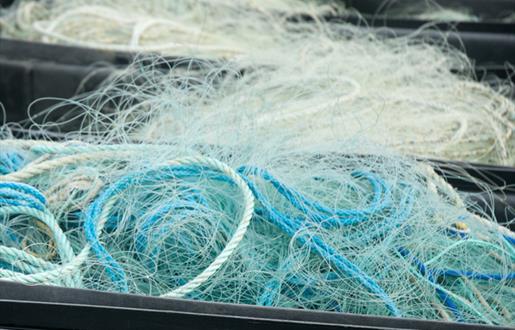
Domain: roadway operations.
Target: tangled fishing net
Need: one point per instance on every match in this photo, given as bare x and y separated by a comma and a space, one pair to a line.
351, 232
219, 28
339, 85
168, 196
319, 81
254, 181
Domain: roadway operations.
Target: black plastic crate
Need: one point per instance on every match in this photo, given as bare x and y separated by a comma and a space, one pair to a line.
51, 308
6, 3
490, 52
500, 202
29, 71
489, 43
32, 70
491, 14
48, 73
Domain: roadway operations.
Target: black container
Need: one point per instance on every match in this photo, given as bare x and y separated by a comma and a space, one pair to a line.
30, 70
6, 3
49, 73
499, 202
492, 14
489, 43
491, 53
52, 308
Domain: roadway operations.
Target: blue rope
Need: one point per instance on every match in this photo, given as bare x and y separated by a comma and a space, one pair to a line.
509, 239
10, 162
273, 287
113, 268
8, 266
292, 225
472, 275
454, 233
434, 274
316, 211
21, 194
402, 211
442, 295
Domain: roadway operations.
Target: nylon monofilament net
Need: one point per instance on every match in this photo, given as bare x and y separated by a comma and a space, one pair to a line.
362, 231
278, 178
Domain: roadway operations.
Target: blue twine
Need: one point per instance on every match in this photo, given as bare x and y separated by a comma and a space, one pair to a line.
472, 275
273, 286
452, 232
10, 162
509, 239
318, 212
113, 268
434, 274
321, 213
455, 233
21, 194
442, 295
402, 211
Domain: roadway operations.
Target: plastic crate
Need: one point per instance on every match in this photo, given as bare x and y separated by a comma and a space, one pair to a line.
6, 3
490, 44
52, 308
32, 70
29, 71
491, 14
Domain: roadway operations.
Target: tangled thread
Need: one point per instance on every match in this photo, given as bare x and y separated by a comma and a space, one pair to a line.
189, 226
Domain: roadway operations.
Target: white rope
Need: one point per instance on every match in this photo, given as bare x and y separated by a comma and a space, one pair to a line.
73, 262
140, 25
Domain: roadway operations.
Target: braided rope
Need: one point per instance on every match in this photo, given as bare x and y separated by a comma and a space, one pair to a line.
25, 261
37, 169
65, 250
107, 152
140, 25
63, 246
71, 147
233, 242
238, 235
